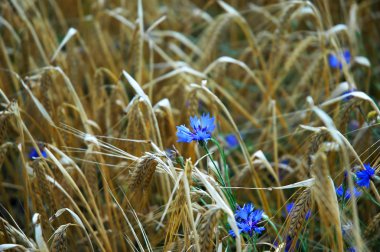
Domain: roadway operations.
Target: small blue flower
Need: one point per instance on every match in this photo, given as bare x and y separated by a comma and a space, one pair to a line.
289, 242
348, 92
201, 129
364, 176
351, 249
247, 220
285, 161
33, 154
346, 192
231, 140
290, 206
336, 61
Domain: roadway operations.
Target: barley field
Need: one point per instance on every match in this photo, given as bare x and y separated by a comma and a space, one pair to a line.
168, 125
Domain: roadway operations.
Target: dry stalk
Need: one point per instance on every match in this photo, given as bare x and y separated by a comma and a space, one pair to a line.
90, 172
211, 36
142, 173
207, 229
373, 226
59, 243
182, 212
43, 186
16, 236
325, 196
297, 216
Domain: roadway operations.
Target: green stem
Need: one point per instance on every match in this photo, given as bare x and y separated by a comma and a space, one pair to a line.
254, 241
371, 198
265, 217
225, 168
226, 173
226, 191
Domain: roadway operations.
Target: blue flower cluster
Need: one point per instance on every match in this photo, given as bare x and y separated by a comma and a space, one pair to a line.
346, 192
202, 129
363, 180
335, 61
33, 154
247, 220
348, 92
364, 176
231, 141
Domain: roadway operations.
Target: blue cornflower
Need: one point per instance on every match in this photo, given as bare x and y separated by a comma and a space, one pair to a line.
365, 175
346, 192
348, 92
33, 154
285, 161
231, 140
336, 61
247, 220
290, 206
201, 129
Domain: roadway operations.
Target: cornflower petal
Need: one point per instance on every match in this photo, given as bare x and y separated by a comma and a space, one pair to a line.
347, 56
201, 129
259, 230
336, 61
207, 122
364, 176
231, 140
247, 219
195, 123
184, 134
243, 213
346, 192
33, 154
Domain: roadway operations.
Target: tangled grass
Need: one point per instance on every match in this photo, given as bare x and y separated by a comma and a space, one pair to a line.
92, 91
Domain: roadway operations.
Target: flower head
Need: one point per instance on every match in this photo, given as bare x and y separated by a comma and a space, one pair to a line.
247, 220
336, 61
285, 161
365, 175
231, 140
349, 97
201, 129
33, 154
290, 206
346, 192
